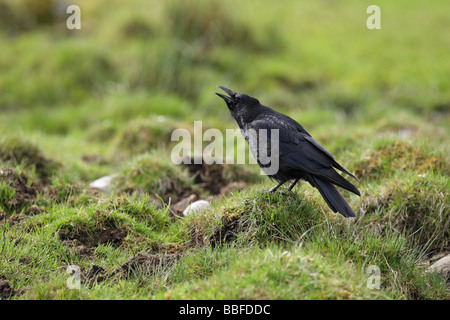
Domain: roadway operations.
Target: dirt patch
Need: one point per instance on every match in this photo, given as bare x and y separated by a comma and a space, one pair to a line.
6, 291
146, 263
200, 182
13, 150
174, 198
209, 177
143, 263
11, 219
18, 195
217, 178
178, 208
108, 235
15, 194
34, 210
95, 274
233, 186
231, 224
80, 249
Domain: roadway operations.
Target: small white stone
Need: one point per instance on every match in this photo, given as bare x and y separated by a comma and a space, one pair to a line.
103, 183
196, 206
441, 266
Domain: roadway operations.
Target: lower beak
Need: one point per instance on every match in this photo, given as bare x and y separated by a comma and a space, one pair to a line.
224, 97
231, 94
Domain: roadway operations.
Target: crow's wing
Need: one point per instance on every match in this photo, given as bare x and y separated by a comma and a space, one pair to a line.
299, 151
335, 164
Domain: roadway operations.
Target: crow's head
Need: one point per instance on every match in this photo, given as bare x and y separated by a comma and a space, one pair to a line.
237, 102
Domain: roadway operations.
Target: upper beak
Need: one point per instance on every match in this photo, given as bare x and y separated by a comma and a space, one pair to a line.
231, 94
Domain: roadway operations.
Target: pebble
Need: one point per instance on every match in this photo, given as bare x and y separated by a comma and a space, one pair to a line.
104, 183
196, 206
441, 266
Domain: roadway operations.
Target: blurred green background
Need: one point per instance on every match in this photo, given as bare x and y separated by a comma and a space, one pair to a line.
316, 61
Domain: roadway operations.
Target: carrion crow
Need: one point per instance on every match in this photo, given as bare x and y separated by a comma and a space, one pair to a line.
300, 157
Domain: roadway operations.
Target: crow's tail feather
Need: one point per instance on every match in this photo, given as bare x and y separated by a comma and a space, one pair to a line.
332, 176
332, 197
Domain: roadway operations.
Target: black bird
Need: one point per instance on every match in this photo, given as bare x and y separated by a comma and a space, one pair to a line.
300, 156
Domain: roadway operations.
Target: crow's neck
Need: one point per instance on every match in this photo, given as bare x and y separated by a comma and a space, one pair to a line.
245, 116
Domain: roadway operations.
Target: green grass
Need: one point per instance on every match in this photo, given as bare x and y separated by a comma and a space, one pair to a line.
79, 105
275, 273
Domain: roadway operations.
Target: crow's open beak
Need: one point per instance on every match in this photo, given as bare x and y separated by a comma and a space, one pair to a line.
229, 100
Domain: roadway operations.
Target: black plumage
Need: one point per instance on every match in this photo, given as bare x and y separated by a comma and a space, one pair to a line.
300, 157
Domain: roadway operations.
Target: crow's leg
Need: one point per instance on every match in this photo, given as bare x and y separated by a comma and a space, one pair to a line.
272, 190
293, 184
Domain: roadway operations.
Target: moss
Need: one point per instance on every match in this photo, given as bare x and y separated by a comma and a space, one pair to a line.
399, 155
418, 207
142, 135
94, 226
16, 151
263, 219
153, 173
